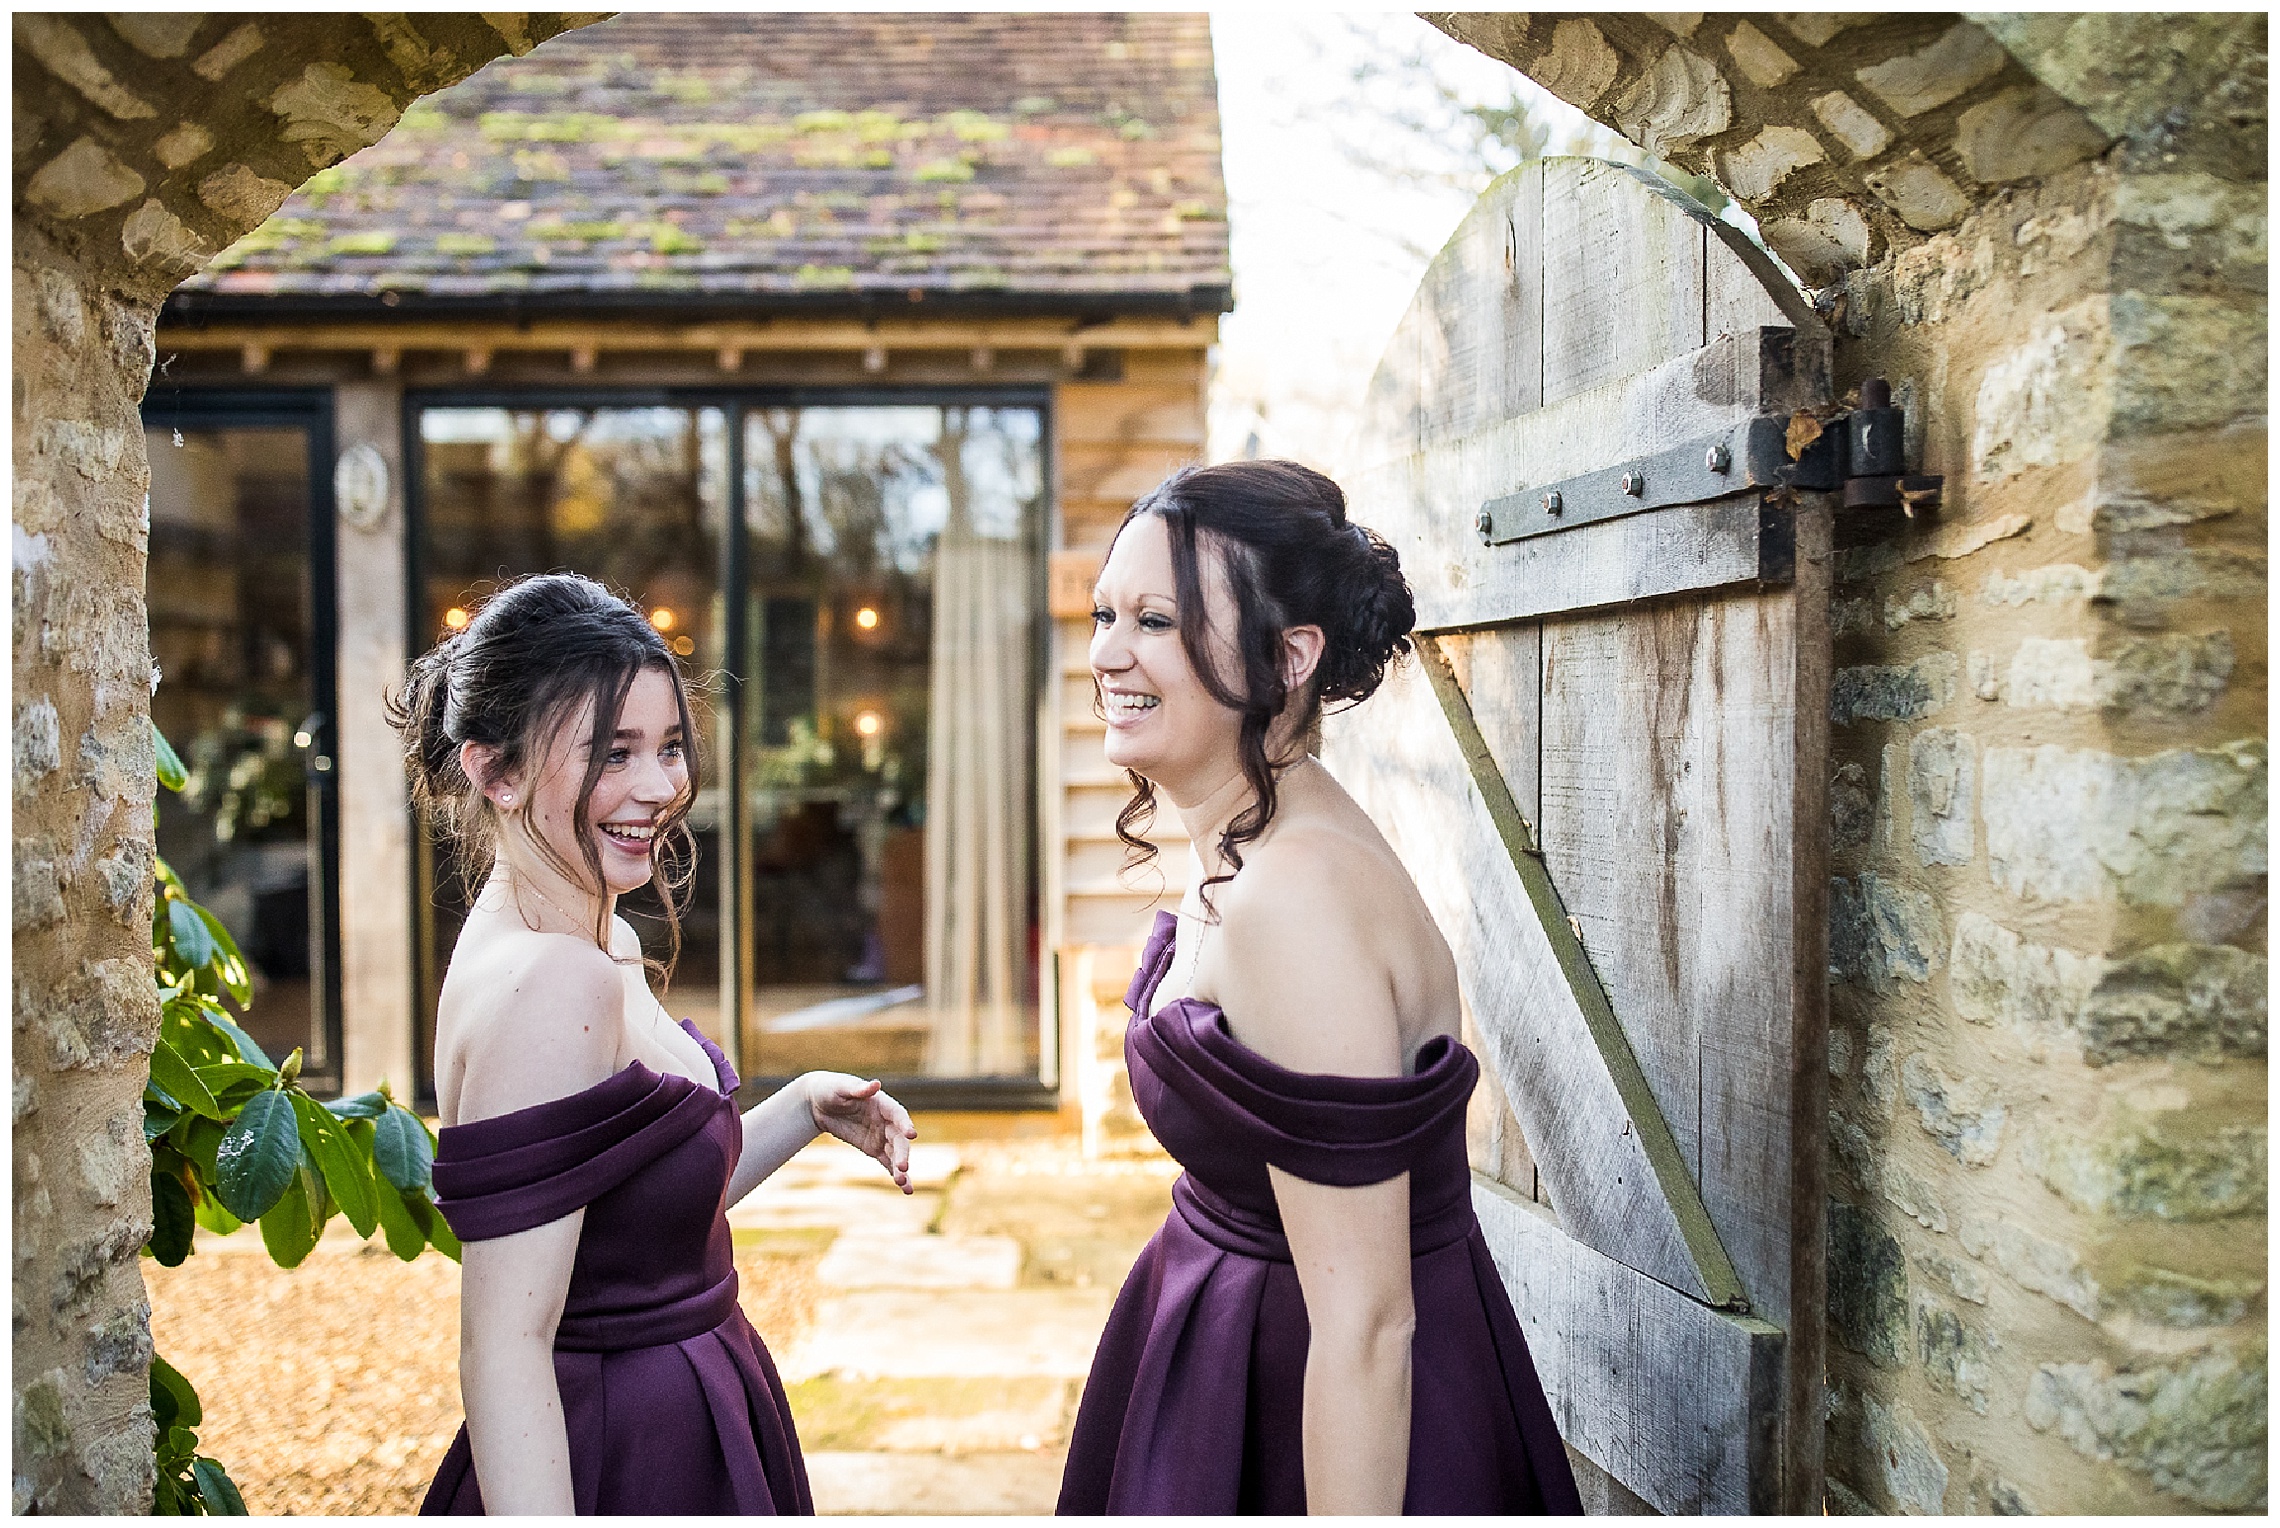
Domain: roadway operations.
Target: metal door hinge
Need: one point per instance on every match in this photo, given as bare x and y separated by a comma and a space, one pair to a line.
1858, 451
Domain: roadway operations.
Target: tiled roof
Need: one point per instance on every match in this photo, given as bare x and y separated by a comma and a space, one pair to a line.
1049, 162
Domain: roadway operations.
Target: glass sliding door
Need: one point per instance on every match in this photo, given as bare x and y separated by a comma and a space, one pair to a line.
893, 573
240, 591
636, 498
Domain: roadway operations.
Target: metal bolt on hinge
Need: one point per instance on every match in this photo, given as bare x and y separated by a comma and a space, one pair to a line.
1634, 482
1718, 458
1553, 504
1485, 523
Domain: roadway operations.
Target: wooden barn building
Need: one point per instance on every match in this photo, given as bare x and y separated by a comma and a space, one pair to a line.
840, 343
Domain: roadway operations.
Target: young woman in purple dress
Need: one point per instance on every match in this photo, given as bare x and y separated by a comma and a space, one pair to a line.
590, 1145
1317, 1326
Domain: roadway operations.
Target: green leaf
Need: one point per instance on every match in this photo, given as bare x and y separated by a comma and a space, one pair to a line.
292, 1226
362, 1106
190, 937
198, 1139
221, 1076
231, 968
182, 1396
347, 1172
159, 1116
219, 1492
214, 1218
171, 774
439, 1233
257, 1157
172, 1219
402, 1151
246, 1049
171, 1072
407, 1236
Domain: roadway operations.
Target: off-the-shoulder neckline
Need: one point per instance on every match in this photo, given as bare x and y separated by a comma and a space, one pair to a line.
633, 1067
1197, 1009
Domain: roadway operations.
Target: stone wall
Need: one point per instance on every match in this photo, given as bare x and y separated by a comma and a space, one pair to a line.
143, 144
2046, 1232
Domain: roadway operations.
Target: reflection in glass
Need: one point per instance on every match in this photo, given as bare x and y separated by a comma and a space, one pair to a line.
635, 498
893, 585
231, 624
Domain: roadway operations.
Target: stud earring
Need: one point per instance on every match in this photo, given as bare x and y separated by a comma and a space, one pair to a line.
507, 798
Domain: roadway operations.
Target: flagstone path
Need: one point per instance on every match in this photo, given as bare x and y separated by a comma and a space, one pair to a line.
933, 1345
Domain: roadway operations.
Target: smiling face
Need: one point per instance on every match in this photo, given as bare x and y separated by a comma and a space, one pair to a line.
645, 773
1162, 721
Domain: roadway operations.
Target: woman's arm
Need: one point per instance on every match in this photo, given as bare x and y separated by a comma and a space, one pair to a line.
1295, 969
1351, 1247
858, 1111
557, 1035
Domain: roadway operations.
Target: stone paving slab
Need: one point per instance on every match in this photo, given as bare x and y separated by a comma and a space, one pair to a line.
935, 1485
869, 1259
952, 1333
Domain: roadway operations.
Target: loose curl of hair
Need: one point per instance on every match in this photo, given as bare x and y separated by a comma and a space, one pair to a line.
1279, 533
532, 654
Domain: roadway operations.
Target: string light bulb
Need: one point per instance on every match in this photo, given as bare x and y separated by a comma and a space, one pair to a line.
661, 618
455, 618
867, 618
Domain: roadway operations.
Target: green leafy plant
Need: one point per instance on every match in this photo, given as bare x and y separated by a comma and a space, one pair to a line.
234, 1139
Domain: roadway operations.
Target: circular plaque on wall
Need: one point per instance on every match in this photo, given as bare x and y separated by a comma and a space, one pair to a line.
360, 487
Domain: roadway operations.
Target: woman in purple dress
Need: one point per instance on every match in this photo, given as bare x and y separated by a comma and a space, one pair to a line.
591, 1146
1317, 1326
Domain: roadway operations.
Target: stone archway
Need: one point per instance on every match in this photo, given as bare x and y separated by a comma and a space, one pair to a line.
144, 144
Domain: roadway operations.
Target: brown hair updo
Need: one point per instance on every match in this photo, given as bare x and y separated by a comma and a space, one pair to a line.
1291, 558
531, 655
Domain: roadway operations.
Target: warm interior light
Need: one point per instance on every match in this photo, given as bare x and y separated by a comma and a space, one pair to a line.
661, 618
684, 645
867, 618
455, 618
867, 724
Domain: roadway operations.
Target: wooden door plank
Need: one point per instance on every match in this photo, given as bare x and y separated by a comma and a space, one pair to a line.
1500, 670
1405, 768
1668, 826
1622, 277
1678, 1401
1479, 318
1425, 502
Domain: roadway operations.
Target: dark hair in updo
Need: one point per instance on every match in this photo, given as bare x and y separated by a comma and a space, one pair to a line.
534, 651
1291, 558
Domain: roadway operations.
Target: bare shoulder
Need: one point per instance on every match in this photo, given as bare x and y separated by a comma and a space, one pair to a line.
1300, 970
551, 1027
625, 944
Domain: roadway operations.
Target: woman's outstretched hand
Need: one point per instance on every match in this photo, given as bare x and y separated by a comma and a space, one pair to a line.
866, 1117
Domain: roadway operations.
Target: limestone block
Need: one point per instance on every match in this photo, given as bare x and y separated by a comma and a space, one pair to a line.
2072, 825
38, 743
111, 1159
230, 52
2174, 1298
2053, 673
1934, 601
1759, 56
2025, 133
1957, 1358
1756, 169
62, 315
1677, 101
241, 196
2172, 676
2197, 1428
1941, 769
2061, 583
2184, 1000
2045, 401
1853, 124
1830, 239
2170, 1167
2032, 1261
156, 237
330, 113
1962, 1116
1914, 1474
1851, 811
59, 47
2179, 478
1881, 934
86, 177
2183, 361
157, 34
1868, 1287
1914, 1197
1906, 692
1580, 65
2141, 589
38, 887
1968, 1282
2038, 992
186, 145
125, 874
1919, 193
1962, 57
103, 1014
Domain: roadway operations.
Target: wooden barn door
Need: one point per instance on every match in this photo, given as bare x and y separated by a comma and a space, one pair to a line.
1606, 770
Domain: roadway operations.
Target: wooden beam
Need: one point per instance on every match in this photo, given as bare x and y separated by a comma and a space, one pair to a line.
1715, 1278
1679, 1402
950, 336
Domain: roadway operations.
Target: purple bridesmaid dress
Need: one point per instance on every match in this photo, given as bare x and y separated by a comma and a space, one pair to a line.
1193, 1405
671, 1402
